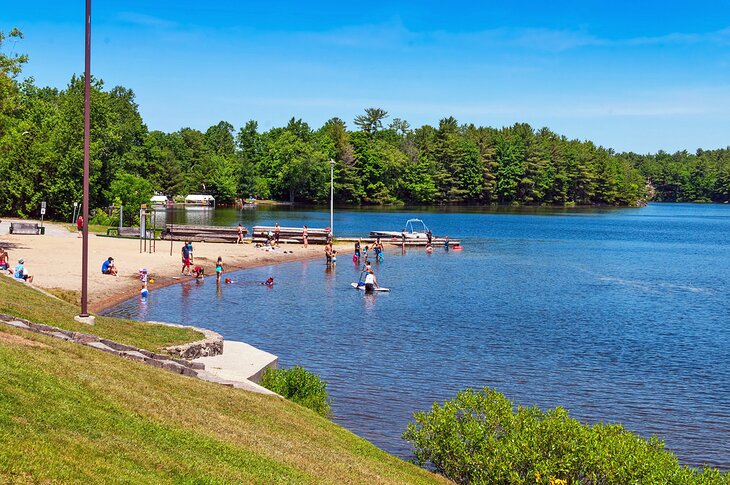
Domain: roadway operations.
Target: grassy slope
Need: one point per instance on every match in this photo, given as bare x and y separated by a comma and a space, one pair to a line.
19, 300
74, 414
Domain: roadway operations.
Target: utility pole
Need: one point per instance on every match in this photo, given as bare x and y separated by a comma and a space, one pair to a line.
84, 315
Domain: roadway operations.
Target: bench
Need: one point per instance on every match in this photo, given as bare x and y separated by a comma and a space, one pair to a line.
123, 231
25, 228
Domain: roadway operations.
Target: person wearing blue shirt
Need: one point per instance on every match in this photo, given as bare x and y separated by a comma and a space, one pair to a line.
20, 272
108, 267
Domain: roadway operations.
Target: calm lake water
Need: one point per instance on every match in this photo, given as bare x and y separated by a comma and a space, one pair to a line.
617, 315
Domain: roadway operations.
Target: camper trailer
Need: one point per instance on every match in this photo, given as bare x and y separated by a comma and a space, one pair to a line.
159, 202
199, 201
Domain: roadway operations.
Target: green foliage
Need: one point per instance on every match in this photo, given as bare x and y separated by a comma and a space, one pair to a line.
300, 386
41, 140
372, 120
480, 437
101, 218
130, 191
683, 177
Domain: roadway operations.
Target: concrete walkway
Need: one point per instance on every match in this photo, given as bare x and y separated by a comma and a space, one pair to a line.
239, 362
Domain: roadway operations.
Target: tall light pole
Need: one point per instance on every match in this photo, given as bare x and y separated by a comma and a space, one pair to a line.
332, 197
84, 315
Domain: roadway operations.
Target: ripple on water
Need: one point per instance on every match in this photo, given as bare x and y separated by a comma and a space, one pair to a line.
618, 316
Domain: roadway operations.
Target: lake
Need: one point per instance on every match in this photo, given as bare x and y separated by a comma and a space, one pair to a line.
619, 315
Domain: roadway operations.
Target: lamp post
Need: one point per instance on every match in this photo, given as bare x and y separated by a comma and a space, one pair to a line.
332, 197
84, 315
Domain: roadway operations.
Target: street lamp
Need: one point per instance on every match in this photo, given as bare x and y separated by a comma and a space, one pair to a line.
84, 315
332, 197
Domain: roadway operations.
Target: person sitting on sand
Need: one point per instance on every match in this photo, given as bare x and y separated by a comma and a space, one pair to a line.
107, 267
4, 261
20, 272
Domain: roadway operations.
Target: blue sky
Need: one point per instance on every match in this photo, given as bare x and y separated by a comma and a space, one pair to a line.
639, 76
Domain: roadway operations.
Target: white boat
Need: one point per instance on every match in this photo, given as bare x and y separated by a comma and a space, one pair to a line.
159, 202
414, 229
202, 201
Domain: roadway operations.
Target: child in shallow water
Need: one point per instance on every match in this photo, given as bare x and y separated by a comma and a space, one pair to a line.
218, 269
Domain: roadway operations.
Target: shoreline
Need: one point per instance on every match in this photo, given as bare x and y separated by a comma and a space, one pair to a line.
54, 260
165, 281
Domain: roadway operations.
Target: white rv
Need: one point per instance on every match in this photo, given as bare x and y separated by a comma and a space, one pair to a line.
198, 200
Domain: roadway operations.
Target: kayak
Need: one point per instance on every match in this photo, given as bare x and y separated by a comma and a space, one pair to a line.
354, 285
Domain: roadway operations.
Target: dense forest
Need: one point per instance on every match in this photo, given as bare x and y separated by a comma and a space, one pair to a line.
379, 160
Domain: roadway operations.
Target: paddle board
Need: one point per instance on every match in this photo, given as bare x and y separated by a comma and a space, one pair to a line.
354, 285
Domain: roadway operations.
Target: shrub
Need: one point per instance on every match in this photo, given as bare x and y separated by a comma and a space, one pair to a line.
101, 218
300, 386
480, 437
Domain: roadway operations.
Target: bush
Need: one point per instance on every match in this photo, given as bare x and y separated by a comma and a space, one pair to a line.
480, 437
301, 386
101, 218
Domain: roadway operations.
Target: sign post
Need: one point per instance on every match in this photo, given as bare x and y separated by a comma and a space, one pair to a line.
43, 213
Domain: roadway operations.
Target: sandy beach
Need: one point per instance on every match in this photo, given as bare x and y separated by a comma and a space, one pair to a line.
54, 260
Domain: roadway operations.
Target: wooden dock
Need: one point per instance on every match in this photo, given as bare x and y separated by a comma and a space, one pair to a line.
186, 232
289, 235
436, 241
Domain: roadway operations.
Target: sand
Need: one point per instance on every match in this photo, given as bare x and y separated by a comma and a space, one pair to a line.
54, 260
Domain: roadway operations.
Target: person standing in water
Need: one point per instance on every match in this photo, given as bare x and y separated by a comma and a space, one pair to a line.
357, 249
218, 269
378, 251
185, 254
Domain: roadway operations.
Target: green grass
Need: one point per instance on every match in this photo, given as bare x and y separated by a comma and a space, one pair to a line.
19, 300
74, 414
93, 228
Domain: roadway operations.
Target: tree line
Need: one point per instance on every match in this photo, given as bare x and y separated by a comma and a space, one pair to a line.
378, 161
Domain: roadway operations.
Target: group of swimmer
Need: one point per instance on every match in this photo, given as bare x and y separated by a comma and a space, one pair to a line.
361, 252
196, 271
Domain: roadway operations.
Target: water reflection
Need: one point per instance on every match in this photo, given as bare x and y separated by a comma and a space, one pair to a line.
619, 317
